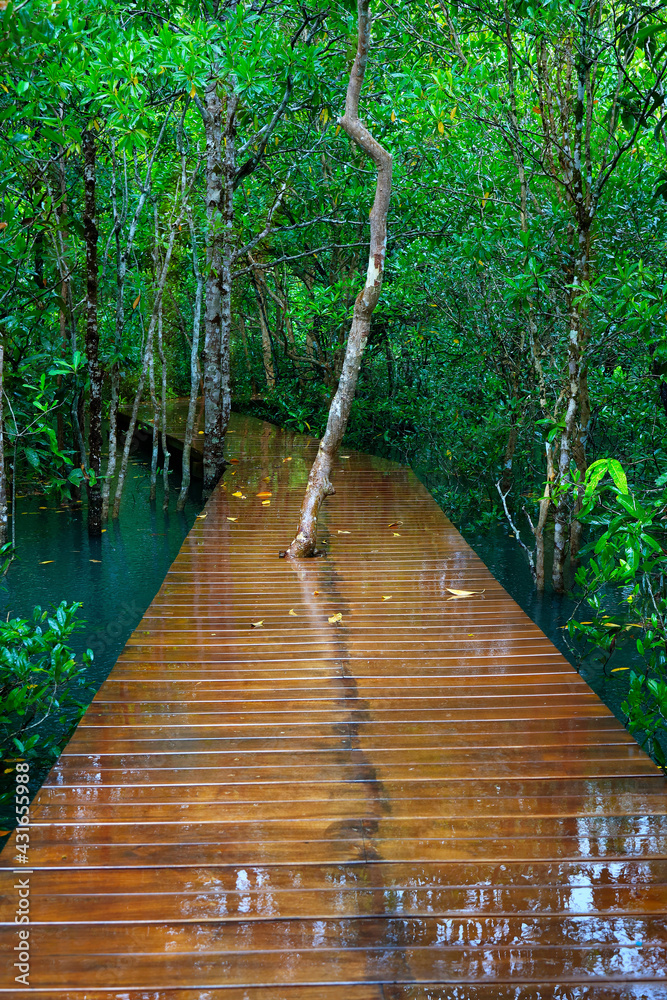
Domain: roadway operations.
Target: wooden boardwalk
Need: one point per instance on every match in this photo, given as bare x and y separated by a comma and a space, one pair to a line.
416, 800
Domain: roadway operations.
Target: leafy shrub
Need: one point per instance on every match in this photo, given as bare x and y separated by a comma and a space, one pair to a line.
624, 584
41, 682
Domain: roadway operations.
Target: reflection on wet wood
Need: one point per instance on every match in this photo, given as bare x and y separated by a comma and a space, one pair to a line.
418, 800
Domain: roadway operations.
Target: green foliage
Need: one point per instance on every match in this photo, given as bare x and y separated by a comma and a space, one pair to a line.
41, 682
624, 584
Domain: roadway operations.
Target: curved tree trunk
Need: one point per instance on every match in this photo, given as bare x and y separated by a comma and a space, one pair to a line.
319, 480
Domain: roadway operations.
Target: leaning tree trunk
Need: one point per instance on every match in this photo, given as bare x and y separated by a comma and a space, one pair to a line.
319, 480
92, 340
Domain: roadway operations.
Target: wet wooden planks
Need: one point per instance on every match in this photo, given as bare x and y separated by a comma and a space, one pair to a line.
420, 799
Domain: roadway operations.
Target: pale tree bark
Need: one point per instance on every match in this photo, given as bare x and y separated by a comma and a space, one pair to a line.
194, 369
319, 481
95, 373
163, 410
220, 173
267, 350
123, 252
148, 351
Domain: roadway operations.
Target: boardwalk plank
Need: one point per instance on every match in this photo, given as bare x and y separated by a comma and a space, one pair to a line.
422, 801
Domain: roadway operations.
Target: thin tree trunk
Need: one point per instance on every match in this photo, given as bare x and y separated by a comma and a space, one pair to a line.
163, 411
118, 340
156, 420
194, 351
246, 351
95, 374
3, 477
319, 480
267, 350
216, 358
159, 291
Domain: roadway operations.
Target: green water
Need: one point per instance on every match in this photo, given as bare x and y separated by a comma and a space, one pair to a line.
114, 577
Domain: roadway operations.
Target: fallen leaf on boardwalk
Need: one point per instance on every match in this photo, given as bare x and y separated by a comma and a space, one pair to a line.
344, 532
233, 461
386, 597
232, 518
45, 561
336, 618
394, 524
266, 503
237, 494
265, 493
288, 459
257, 624
396, 534
315, 593
462, 593
267, 479
293, 613
200, 432
95, 560
201, 516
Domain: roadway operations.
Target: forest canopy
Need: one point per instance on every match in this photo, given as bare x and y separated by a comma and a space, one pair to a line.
183, 213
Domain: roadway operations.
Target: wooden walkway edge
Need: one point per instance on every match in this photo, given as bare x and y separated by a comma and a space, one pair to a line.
339, 780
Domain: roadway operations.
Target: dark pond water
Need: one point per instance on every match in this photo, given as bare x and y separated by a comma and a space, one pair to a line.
115, 577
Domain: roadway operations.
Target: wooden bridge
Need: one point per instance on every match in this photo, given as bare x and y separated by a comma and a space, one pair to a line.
342, 779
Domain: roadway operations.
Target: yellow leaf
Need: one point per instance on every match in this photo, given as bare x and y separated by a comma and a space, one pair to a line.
266, 493
202, 516
95, 560
387, 597
293, 613
452, 113
615, 670
324, 115
344, 532
136, 301
257, 624
266, 503
193, 91
462, 593
336, 132
394, 524
237, 494
232, 518
393, 116
267, 479
441, 128
8, 770
315, 593
200, 432
396, 534
343, 456
336, 618
288, 459
44, 562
